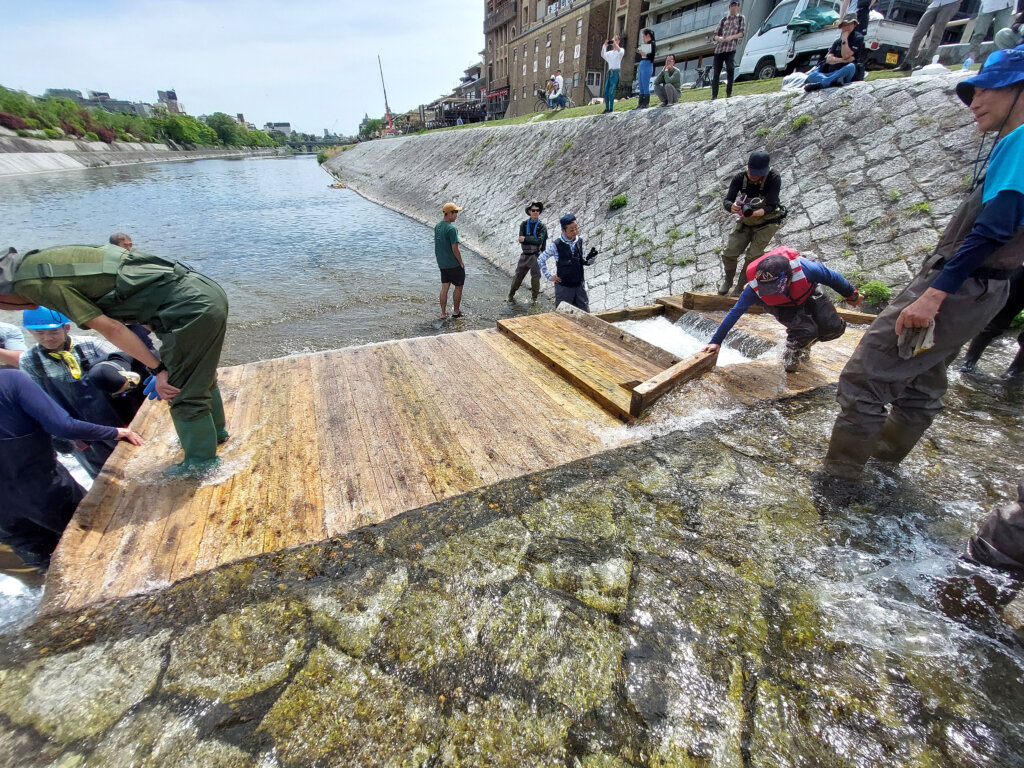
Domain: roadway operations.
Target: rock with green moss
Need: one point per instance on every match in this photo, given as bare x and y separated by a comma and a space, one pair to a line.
585, 513
599, 579
239, 653
338, 711
82, 693
485, 555
350, 612
505, 733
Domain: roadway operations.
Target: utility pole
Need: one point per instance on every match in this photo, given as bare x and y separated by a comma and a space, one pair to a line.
387, 109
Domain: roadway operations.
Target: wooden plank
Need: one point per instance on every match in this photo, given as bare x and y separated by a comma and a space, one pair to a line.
645, 394
623, 360
631, 313
674, 308
619, 337
711, 302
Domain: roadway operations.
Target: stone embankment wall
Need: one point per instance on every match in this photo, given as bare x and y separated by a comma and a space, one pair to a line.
21, 156
871, 174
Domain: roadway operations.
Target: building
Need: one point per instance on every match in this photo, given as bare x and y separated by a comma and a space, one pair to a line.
285, 128
472, 85
101, 100
566, 35
500, 25
169, 101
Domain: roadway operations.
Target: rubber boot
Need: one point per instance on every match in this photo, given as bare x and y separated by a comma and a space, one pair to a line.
896, 440
217, 412
535, 287
199, 442
848, 452
727, 281
1016, 369
978, 345
516, 282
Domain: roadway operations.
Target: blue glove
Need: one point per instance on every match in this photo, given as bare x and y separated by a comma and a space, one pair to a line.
150, 389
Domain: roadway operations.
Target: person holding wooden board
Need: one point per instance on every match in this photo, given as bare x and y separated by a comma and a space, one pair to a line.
788, 287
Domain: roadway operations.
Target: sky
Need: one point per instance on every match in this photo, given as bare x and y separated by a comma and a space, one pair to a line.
312, 63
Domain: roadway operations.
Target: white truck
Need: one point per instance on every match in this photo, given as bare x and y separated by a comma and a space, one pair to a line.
775, 49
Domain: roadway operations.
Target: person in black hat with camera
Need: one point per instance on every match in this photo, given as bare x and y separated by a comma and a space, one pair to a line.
569, 262
753, 197
533, 238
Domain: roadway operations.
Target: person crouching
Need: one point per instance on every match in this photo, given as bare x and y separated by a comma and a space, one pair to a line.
787, 285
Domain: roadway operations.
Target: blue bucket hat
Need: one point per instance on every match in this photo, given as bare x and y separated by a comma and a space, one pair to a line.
1002, 68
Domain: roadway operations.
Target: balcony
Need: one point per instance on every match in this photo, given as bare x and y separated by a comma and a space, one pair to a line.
691, 20
502, 15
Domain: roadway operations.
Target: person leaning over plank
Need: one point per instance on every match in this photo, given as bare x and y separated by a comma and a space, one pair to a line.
787, 286
103, 288
901, 360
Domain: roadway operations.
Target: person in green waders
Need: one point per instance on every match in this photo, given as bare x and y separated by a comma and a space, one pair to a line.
103, 288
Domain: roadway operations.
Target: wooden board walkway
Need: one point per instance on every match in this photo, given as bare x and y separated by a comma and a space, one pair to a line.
325, 443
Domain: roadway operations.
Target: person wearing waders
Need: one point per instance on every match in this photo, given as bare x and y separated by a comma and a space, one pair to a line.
39, 495
901, 361
787, 285
73, 370
533, 238
999, 325
569, 263
103, 288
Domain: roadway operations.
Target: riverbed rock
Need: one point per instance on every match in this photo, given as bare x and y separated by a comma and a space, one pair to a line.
351, 612
505, 733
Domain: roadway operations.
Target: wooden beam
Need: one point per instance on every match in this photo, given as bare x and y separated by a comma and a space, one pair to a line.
713, 302
631, 313
619, 337
646, 393
674, 308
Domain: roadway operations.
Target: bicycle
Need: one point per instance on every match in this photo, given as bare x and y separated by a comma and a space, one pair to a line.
703, 78
542, 102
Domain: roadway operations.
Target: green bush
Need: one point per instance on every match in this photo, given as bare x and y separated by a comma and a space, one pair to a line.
53, 133
619, 201
802, 122
1018, 321
875, 292
90, 136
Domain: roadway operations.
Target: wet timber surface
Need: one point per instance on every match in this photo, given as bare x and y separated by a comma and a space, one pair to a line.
323, 444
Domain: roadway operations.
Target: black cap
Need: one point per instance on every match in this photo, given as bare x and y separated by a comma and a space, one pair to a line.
566, 220
759, 163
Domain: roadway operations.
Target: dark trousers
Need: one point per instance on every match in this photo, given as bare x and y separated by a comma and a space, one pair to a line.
572, 294
814, 320
527, 263
729, 60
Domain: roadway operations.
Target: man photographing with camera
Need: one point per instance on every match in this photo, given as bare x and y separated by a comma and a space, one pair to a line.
753, 198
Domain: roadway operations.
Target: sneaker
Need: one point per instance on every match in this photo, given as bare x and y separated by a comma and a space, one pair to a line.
811, 87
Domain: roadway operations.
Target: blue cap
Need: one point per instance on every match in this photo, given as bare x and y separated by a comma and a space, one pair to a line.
566, 220
43, 319
1002, 68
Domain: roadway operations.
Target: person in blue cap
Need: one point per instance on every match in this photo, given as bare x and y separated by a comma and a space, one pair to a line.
76, 371
891, 389
567, 251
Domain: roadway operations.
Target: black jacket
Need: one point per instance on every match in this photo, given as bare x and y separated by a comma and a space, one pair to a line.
768, 188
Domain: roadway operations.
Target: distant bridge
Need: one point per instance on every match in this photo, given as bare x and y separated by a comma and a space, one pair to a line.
313, 146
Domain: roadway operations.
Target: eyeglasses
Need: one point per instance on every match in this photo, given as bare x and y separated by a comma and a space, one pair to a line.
535, 210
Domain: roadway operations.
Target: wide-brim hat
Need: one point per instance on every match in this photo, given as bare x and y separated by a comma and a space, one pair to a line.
850, 18
1002, 69
537, 204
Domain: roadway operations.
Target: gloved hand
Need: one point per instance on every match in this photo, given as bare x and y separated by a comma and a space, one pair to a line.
150, 389
591, 255
914, 341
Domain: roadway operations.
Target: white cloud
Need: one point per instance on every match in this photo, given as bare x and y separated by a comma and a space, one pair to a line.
310, 62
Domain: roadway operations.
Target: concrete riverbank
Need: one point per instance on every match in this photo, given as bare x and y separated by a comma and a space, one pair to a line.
871, 174
22, 156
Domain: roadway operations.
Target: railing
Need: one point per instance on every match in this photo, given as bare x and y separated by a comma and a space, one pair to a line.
691, 20
501, 16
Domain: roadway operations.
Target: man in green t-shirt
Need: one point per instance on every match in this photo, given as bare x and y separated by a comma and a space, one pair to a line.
449, 259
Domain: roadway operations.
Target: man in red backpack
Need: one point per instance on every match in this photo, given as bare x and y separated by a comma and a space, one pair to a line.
787, 285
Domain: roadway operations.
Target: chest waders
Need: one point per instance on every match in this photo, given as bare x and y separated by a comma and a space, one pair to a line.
39, 497
528, 259
188, 313
876, 377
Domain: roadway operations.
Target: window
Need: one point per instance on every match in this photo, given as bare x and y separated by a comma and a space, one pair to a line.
780, 17
579, 27
547, 61
593, 79
515, 56
576, 80
514, 97
524, 70
534, 65
536, 45
576, 51
513, 34
524, 91
563, 34
561, 57
548, 44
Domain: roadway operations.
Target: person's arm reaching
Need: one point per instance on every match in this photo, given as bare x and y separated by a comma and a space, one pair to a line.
10, 357
56, 421
122, 337
746, 300
819, 273
734, 189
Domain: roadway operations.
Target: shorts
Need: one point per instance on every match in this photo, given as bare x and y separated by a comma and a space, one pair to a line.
454, 275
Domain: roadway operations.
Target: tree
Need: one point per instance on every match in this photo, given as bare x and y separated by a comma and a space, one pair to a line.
371, 127
227, 128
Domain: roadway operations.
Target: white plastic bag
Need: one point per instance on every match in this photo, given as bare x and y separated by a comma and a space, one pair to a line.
794, 81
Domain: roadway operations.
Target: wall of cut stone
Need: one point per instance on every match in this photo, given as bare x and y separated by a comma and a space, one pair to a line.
871, 174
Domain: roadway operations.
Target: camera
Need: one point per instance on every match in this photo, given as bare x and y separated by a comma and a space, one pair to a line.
751, 205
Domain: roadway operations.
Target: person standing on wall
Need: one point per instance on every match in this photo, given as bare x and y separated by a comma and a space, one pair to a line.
753, 198
994, 15
612, 53
861, 9
103, 288
533, 238
731, 30
645, 71
892, 386
933, 23
567, 251
449, 259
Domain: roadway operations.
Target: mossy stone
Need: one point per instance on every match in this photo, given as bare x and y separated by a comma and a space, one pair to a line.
602, 584
339, 712
585, 513
82, 693
484, 555
505, 733
239, 653
350, 613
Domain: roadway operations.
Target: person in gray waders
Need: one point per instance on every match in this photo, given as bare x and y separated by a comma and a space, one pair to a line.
103, 288
533, 238
567, 250
39, 495
901, 360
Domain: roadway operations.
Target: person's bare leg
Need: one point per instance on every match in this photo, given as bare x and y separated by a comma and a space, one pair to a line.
456, 300
444, 299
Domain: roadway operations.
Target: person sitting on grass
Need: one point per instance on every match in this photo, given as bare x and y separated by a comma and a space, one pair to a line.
842, 59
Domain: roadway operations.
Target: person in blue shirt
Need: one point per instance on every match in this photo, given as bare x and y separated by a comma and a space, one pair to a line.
787, 285
889, 392
39, 495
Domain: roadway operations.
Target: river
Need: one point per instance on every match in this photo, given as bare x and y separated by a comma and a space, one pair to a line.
305, 267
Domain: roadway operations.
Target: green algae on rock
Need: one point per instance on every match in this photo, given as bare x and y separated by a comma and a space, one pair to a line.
505, 733
485, 555
351, 613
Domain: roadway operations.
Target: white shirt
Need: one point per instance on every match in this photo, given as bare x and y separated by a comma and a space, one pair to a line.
614, 58
940, 3
559, 85
991, 6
